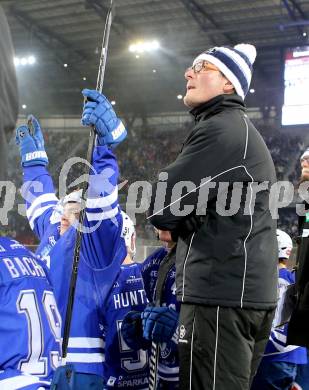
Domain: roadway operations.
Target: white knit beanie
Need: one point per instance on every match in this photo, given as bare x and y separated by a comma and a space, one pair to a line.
234, 62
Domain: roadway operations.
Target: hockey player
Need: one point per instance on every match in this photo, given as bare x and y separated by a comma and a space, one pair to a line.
102, 249
124, 367
160, 319
30, 323
278, 368
64, 214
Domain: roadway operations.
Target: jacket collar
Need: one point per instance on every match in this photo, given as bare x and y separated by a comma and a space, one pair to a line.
216, 105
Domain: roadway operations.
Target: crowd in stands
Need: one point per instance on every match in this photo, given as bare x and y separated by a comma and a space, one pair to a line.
285, 150
288, 221
141, 157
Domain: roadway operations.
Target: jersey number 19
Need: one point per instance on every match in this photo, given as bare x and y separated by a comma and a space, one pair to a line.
27, 304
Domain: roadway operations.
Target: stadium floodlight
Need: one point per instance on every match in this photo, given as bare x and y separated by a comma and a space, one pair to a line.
23, 61
179, 97
113, 102
251, 90
30, 60
144, 46
154, 45
24, 106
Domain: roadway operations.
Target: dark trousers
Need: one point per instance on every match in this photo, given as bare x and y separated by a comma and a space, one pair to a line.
220, 348
166, 385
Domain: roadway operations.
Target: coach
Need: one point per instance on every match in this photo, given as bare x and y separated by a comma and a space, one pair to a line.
226, 254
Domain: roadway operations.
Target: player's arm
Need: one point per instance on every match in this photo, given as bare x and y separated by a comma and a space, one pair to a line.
38, 189
103, 223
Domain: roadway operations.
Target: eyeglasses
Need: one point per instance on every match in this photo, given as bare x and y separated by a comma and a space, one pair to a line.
305, 159
202, 65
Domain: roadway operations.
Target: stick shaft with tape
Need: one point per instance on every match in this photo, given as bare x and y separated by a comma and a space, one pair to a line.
167, 263
99, 88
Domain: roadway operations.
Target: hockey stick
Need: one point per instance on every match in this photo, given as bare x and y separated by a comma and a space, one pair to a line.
65, 378
92, 137
164, 268
153, 365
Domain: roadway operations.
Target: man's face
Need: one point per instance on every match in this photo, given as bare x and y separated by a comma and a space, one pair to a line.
164, 236
70, 215
204, 85
304, 169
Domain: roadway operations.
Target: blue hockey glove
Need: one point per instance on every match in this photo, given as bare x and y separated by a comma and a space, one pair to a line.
159, 323
99, 112
30, 140
132, 331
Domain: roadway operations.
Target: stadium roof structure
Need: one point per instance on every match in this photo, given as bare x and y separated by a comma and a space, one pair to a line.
69, 32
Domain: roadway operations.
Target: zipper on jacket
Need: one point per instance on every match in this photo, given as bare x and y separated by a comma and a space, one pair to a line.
184, 268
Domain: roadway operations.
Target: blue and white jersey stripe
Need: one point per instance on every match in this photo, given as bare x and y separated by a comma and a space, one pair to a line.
39, 194
40, 203
169, 374
94, 215
102, 197
22, 382
108, 201
86, 350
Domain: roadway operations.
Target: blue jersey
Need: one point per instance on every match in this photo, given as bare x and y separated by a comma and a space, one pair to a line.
102, 251
30, 323
276, 348
168, 367
123, 367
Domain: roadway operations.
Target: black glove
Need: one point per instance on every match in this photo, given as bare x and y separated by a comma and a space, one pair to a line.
132, 331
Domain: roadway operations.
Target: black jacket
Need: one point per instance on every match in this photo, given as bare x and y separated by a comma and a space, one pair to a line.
298, 333
227, 260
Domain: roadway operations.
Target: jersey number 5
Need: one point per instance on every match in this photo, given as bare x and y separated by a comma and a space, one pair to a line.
129, 364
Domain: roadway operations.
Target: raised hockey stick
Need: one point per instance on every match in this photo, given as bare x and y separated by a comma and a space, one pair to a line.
92, 137
65, 379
